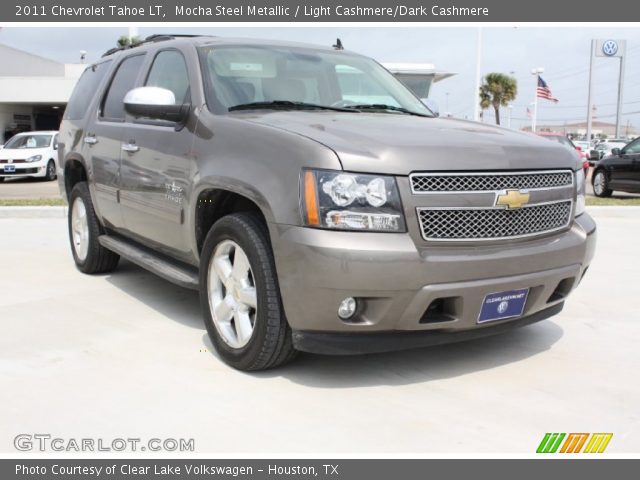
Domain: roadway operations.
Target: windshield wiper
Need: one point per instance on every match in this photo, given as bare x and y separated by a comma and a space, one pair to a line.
287, 104
382, 106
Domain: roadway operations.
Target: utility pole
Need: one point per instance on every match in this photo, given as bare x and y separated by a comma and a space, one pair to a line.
623, 58
590, 94
476, 93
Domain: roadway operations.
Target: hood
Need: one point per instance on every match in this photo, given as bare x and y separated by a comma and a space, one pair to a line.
401, 144
21, 153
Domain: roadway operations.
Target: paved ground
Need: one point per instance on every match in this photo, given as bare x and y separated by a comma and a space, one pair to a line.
127, 355
28, 188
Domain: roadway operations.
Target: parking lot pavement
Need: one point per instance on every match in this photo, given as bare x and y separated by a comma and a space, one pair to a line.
126, 355
28, 188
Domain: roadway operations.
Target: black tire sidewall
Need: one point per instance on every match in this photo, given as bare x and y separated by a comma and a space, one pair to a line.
606, 191
258, 252
81, 191
50, 178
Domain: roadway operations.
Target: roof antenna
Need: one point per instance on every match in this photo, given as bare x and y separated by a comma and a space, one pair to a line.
338, 45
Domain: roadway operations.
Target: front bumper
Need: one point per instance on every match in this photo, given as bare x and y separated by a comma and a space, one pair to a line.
396, 279
35, 169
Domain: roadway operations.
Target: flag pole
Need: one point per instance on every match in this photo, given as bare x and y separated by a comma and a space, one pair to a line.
534, 118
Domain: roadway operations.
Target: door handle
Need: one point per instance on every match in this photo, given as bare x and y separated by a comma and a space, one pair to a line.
130, 147
90, 139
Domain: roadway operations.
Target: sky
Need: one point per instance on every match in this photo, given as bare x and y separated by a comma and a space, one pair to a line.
563, 52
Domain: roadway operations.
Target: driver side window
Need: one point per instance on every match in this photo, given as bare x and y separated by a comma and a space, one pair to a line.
169, 70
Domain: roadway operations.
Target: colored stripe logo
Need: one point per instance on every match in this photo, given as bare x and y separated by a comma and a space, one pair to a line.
574, 443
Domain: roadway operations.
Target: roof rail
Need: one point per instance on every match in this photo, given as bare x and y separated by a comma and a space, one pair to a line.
158, 37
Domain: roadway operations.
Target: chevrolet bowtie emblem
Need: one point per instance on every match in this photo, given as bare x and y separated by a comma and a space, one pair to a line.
512, 199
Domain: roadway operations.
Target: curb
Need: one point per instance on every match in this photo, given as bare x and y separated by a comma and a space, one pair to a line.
33, 212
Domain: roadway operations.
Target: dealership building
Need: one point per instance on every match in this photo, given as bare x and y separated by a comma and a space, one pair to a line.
34, 90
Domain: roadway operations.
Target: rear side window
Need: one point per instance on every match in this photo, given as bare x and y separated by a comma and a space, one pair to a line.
85, 89
123, 81
169, 70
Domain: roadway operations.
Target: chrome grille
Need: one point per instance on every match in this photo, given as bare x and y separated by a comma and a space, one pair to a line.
480, 182
463, 224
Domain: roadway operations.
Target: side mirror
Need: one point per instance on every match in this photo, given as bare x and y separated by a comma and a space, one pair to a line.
616, 151
155, 103
55, 146
431, 105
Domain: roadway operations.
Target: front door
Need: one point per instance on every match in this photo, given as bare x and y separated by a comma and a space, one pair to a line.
156, 166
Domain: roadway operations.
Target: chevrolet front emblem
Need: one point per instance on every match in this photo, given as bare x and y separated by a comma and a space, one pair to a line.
512, 199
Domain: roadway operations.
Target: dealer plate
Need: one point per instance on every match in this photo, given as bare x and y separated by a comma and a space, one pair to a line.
9, 168
501, 305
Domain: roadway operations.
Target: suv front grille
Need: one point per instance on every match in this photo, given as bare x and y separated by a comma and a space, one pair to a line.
482, 182
463, 224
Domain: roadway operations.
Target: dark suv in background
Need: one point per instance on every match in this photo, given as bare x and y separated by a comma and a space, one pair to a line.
314, 201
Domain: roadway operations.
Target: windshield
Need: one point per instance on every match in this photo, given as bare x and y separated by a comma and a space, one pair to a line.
239, 75
28, 141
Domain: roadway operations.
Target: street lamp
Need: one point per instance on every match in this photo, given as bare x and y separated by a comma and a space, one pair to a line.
510, 107
536, 72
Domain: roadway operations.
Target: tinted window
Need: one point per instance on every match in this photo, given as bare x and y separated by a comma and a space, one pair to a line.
123, 81
84, 91
169, 71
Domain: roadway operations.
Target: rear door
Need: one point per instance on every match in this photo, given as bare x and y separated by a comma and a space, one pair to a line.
156, 164
104, 137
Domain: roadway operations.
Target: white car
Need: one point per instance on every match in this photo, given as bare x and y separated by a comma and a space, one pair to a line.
30, 154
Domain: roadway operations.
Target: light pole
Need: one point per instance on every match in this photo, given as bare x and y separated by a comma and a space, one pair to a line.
534, 118
510, 107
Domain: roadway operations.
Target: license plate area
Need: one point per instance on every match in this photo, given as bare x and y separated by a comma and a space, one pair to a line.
502, 305
9, 168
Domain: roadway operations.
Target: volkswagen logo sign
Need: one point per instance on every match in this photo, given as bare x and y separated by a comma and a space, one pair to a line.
502, 307
610, 48
10, 160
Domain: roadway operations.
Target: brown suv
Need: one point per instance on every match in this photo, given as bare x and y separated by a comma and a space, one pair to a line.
314, 201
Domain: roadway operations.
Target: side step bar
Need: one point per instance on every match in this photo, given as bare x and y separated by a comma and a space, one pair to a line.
180, 275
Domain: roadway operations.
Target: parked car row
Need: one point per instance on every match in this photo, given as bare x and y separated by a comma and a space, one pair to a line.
604, 149
30, 154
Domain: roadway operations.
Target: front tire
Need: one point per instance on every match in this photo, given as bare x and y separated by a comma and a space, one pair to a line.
51, 174
601, 184
240, 296
84, 230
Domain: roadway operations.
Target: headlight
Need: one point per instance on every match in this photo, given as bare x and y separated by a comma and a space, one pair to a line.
35, 158
349, 201
580, 198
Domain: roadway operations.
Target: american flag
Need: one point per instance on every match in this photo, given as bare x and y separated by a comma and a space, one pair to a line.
543, 90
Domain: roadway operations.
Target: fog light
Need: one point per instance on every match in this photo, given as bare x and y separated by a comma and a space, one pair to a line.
347, 308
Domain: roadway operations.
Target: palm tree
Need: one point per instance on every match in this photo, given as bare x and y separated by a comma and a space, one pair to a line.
497, 90
125, 41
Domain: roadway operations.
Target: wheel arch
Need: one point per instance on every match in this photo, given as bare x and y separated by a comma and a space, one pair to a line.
214, 202
74, 171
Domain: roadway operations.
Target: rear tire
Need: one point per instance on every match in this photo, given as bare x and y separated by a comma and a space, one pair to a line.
251, 334
601, 184
84, 230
